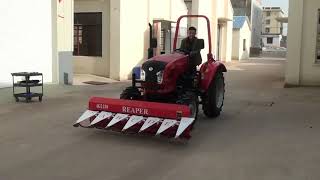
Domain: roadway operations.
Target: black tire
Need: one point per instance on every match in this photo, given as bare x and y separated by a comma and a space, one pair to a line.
28, 99
210, 106
131, 93
190, 99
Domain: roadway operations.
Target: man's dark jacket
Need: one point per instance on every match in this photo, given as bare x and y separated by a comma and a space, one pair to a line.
193, 48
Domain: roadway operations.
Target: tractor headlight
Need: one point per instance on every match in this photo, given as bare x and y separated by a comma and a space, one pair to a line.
142, 75
159, 77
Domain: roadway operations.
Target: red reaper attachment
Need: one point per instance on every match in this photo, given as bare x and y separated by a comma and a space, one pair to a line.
169, 120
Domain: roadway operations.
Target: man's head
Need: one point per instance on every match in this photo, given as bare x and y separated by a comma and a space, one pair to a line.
192, 32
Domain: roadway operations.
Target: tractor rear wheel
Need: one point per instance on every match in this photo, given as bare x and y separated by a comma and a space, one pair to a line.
131, 93
213, 100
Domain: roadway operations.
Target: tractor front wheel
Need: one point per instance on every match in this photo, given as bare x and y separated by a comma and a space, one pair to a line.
213, 99
131, 93
190, 99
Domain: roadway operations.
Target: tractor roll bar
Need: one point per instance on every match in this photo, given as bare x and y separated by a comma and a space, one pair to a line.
192, 16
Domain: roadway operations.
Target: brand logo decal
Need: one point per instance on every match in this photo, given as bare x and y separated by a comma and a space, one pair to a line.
150, 68
102, 106
132, 110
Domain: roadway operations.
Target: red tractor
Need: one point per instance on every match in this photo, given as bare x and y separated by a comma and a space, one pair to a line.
164, 100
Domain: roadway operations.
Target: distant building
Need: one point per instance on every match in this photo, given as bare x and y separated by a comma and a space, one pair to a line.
241, 40
253, 10
272, 28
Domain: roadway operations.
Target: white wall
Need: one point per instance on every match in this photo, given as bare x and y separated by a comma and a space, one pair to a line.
26, 38
215, 10
125, 33
95, 65
302, 68
220, 10
225, 18
157, 9
245, 33
64, 38
134, 29
115, 39
133, 33
310, 70
235, 44
228, 40
205, 7
129, 31
178, 8
295, 27
276, 41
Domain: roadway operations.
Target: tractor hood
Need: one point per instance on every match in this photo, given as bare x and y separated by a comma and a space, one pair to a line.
167, 58
154, 68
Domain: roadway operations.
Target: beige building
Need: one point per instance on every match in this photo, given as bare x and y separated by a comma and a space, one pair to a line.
303, 67
272, 29
112, 36
35, 48
117, 38
241, 41
107, 38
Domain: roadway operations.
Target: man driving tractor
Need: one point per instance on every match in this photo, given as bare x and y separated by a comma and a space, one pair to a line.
190, 45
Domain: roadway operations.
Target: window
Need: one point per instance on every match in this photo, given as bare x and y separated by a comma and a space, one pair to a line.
268, 13
87, 34
269, 40
318, 39
267, 30
244, 45
268, 21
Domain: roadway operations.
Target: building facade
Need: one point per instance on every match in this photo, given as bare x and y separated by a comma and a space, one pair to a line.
44, 45
253, 10
121, 46
241, 40
272, 28
101, 37
303, 66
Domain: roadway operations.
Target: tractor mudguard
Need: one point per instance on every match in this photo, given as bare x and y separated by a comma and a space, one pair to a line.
208, 71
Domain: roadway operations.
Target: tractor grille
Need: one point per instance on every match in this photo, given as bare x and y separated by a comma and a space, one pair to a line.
151, 68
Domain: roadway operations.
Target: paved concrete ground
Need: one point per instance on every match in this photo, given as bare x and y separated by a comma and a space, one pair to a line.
82, 79
265, 132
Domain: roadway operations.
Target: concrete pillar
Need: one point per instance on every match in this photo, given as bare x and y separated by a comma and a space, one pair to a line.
214, 26
207, 8
229, 26
295, 26
115, 28
133, 35
65, 42
54, 23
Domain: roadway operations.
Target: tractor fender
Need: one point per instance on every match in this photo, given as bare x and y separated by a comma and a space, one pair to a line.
208, 72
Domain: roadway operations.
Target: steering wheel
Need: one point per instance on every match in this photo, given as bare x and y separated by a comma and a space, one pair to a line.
183, 50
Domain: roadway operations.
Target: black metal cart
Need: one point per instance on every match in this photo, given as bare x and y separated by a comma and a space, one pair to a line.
27, 83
